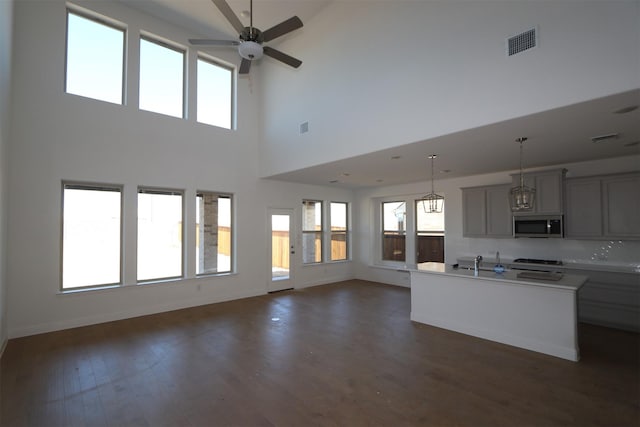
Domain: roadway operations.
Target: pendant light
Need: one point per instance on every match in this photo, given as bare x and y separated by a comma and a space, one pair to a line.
522, 198
432, 202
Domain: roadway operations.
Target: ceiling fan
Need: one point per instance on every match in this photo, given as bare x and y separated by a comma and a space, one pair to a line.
250, 40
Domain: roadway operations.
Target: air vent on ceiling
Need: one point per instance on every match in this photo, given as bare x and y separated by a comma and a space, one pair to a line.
521, 42
603, 138
304, 127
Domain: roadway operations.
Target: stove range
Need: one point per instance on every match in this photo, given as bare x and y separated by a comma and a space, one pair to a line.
538, 261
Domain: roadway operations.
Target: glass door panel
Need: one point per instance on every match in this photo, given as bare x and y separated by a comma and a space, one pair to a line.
280, 246
282, 249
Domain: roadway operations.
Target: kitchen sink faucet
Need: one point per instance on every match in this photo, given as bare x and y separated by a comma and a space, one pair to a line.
476, 264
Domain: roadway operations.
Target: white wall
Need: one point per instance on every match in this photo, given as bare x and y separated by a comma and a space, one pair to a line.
380, 74
56, 136
625, 253
6, 33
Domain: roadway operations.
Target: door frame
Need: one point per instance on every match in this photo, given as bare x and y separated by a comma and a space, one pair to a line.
282, 283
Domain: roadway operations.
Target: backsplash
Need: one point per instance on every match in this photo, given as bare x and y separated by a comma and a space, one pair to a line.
606, 252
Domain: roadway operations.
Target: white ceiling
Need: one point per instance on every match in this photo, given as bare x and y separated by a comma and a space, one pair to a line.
555, 137
203, 17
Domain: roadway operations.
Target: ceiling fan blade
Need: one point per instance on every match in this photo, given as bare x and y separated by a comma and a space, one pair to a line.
282, 28
283, 57
211, 42
228, 13
245, 66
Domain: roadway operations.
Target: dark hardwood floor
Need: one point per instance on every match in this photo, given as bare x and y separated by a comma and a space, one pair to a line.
344, 354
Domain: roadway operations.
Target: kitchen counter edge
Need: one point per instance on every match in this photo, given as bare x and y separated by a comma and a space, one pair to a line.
566, 265
571, 281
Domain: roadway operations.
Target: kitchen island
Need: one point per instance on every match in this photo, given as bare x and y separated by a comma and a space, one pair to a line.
538, 315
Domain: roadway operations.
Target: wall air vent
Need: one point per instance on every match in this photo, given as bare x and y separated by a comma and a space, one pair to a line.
304, 127
521, 42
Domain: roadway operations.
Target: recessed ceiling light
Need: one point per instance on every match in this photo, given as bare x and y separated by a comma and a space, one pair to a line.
625, 110
346, 174
333, 181
396, 157
379, 180
445, 171
245, 14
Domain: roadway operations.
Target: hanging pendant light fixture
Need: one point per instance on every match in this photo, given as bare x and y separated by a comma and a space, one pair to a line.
522, 198
432, 202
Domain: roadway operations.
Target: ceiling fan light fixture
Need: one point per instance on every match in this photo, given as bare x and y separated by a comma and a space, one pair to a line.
250, 50
250, 38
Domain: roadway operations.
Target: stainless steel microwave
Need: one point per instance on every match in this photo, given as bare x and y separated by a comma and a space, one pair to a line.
538, 226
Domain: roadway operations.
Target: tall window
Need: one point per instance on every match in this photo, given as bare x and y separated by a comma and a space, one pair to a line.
215, 94
429, 234
339, 231
91, 235
394, 229
161, 78
311, 231
159, 234
214, 231
95, 58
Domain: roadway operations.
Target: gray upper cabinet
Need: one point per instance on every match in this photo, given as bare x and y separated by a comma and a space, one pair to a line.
499, 219
549, 187
486, 211
621, 206
583, 216
474, 212
603, 207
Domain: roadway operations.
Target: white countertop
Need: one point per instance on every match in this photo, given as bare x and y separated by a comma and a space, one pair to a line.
566, 265
568, 281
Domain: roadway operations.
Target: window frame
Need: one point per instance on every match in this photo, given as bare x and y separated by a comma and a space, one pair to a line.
108, 22
200, 56
167, 44
402, 233
314, 232
164, 191
410, 228
417, 232
80, 185
232, 234
346, 232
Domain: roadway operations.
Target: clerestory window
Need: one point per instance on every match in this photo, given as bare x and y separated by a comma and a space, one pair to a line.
162, 82
95, 57
215, 93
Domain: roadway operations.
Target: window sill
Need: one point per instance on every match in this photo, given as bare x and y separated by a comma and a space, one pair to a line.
207, 275
401, 267
74, 291
326, 263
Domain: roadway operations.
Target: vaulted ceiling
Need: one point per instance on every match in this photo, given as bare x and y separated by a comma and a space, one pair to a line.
562, 135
